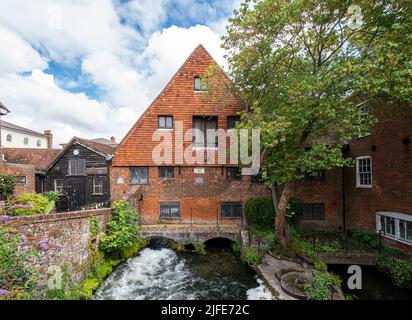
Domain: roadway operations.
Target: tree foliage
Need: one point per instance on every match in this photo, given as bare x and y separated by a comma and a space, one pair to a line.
305, 69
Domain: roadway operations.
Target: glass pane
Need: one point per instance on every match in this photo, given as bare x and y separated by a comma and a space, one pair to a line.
162, 122
402, 229
307, 212
198, 132
169, 122
197, 84
382, 221
409, 231
134, 175
144, 175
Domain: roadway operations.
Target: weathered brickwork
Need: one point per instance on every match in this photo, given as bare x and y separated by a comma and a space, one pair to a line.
199, 203
65, 236
20, 170
391, 175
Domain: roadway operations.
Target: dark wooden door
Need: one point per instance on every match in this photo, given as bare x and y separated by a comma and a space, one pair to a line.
76, 194
39, 181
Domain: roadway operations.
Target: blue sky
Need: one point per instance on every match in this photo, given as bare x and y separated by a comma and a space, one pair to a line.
91, 67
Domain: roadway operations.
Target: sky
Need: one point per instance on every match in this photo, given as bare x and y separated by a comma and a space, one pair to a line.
89, 68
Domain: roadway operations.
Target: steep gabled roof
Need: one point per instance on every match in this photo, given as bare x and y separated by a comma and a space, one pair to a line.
102, 149
39, 158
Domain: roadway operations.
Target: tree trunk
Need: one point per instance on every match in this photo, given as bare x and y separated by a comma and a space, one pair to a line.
275, 196
282, 228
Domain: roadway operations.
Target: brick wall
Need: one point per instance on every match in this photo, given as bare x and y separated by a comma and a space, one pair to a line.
201, 202
16, 170
66, 235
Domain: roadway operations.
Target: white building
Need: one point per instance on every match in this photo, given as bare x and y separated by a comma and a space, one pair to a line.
14, 136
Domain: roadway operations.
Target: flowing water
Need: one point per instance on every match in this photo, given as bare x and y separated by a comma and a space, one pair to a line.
163, 274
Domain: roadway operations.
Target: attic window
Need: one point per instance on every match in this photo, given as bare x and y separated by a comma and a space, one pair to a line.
200, 84
165, 122
77, 167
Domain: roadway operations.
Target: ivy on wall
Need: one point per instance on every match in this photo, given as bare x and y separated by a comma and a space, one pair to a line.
7, 184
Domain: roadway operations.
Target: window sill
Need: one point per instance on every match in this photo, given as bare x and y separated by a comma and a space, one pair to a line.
397, 239
363, 187
139, 184
205, 148
165, 129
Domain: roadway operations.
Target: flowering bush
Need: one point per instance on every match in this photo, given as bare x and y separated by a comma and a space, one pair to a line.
28, 204
17, 278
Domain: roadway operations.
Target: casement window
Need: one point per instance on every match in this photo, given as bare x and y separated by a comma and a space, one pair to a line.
394, 225
139, 175
315, 176
233, 174
26, 141
166, 173
200, 84
59, 186
204, 132
364, 172
169, 210
21, 180
98, 186
77, 167
232, 121
231, 210
9, 138
313, 211
165, 122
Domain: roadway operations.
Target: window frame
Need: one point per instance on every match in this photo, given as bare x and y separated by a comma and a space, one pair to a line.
237, 177
231, 215
322, 205
77, 174
204, 130
170, 204
167, 177
202, 85
26, 141
397, 218
228, 124
358, 173
9, 137
55, 187
21, 179
165, 120
39, 143
139, 181
97, 185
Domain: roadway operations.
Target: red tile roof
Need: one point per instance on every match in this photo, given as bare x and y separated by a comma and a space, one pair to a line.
39, 158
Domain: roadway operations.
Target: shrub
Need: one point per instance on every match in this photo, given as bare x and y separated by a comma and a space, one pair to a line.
51, 196
321, 286
122, 231
397, 266
7, 184
366, 237
17, 277
260, 214
28, 204
294, 212
251, 256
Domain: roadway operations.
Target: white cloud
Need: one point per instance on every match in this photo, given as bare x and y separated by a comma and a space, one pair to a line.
16, 55
130, 63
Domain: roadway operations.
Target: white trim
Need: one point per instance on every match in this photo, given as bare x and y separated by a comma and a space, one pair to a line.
55, 186
397, 216
358, 185
94, 187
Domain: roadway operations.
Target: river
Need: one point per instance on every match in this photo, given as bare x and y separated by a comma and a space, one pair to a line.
163, 274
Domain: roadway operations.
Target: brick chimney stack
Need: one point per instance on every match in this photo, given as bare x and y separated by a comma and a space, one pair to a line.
49, 135
113, 140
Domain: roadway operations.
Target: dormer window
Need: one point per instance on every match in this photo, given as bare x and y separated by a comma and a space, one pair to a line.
200, 84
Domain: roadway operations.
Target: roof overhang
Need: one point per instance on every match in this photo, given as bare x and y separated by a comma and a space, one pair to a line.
3, 110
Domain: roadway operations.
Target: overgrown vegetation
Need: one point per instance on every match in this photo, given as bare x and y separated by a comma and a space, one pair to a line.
251, 256
7, 185
260, 214
27, 204
17, 277
322, 286
198, 247
397, 265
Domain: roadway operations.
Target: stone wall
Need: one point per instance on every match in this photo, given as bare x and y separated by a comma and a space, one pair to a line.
62, 238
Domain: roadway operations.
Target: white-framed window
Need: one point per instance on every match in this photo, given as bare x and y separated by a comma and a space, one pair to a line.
395, 225
98, 186
39, 143
9, 138
58, 186
77, 167
26, 141
21, 180
364, 172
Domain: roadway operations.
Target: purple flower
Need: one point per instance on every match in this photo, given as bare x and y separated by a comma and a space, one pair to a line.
44, 241
23, 238
23, 244
5, 282
45, 249
5, 219
4, 292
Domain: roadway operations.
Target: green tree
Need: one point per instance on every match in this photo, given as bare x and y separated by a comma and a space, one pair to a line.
305, 68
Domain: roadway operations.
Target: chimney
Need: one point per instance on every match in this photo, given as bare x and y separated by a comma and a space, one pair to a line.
49, 135
113, 140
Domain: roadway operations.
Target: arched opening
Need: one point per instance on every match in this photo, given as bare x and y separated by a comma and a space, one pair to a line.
159, 243
219, 243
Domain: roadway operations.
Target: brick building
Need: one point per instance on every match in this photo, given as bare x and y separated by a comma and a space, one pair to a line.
178, 191
374, 194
